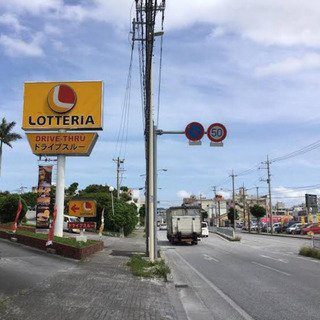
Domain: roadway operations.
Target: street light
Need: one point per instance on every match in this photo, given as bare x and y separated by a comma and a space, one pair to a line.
142, 175
111, 189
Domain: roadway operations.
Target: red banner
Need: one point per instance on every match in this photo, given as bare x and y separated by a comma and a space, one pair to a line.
15, 224
50, 235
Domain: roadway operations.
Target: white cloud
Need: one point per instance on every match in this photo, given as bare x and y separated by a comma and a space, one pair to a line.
183, 194
11, 21
17, 47
290, 195
285, 23
290, 65
33, 7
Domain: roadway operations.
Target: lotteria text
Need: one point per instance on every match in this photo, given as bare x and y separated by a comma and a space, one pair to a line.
61, 120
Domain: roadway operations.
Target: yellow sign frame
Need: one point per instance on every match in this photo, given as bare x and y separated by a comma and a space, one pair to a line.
87, 113
77, 209
68, 143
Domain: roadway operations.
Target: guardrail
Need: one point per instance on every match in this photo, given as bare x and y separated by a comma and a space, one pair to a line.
316, 242
227, 231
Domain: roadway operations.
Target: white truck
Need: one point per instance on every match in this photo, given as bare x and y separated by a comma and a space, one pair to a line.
184, 224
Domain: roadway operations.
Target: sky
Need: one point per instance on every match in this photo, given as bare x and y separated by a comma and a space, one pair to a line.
253, 66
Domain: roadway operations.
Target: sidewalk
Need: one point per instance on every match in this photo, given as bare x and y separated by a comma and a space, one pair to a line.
100, 288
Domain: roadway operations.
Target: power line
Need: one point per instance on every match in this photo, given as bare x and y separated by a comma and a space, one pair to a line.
298, 152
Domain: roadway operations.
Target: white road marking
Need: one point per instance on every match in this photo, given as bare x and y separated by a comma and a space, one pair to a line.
280, 260
206, 257
317, 261
273, 269
235, 306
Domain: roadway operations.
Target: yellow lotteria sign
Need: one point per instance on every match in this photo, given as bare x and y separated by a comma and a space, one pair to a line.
69, 144
82, 208
63, 105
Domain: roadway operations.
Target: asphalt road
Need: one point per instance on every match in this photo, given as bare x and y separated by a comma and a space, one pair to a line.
22, 267
261, 278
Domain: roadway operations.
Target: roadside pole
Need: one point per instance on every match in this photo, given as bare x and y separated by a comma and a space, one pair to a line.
61, 168
233, 202
269, 187
155, 184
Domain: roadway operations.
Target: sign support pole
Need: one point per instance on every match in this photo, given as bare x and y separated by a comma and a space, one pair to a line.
61, 168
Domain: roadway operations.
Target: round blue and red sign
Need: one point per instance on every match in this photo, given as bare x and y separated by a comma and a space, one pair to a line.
217, 132
194, 131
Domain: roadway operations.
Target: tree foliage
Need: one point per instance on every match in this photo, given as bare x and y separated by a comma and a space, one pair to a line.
257, 211
231, 214
30, 198
123, 216
142, 214
8, 208
6, 136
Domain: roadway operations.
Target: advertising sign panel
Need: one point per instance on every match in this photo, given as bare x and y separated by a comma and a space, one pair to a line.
69, 144
82, 208
62, 105
43, 199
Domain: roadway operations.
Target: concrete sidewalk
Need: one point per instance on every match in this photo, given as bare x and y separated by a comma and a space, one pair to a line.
100, 288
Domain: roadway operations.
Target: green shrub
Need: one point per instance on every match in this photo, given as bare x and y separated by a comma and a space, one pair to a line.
310, 252
148, 269
8, 208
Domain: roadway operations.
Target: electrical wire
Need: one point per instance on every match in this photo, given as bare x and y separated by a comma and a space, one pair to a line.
160, 70
298, 152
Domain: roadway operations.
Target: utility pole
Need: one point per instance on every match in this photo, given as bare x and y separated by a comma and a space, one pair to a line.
233, 202
215, 204
269, 186
146, 16
257, 195
269, 191
245, 208
119, 162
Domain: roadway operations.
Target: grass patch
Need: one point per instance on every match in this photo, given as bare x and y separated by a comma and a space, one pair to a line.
68, 241
235, 238
148, 269
310, 252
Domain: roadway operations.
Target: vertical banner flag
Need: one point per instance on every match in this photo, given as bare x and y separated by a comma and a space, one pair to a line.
318, 218
303, 221
43, 199
102, 224
310, 220
50, 235
15, 224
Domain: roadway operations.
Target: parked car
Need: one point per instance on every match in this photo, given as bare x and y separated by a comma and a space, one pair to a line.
277, 227
314, 229
204, 229
287, 225
296, 228
70, 219
254, 227
163, 226
291, 228
239, 224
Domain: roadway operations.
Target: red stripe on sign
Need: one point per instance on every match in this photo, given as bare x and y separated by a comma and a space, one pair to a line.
66, 94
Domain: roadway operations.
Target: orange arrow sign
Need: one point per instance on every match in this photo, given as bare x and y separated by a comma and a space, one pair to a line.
74, 208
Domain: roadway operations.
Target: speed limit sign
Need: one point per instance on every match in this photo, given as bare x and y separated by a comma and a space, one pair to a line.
217, 132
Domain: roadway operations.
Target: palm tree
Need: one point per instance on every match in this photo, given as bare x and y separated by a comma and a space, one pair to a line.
6, 137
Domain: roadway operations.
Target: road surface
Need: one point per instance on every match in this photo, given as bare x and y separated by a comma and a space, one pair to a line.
261, 278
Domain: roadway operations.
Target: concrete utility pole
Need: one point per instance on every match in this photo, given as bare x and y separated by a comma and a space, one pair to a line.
215, 204
269, 186
257, 195
60, 186
245, 208
233, 202
119, 162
